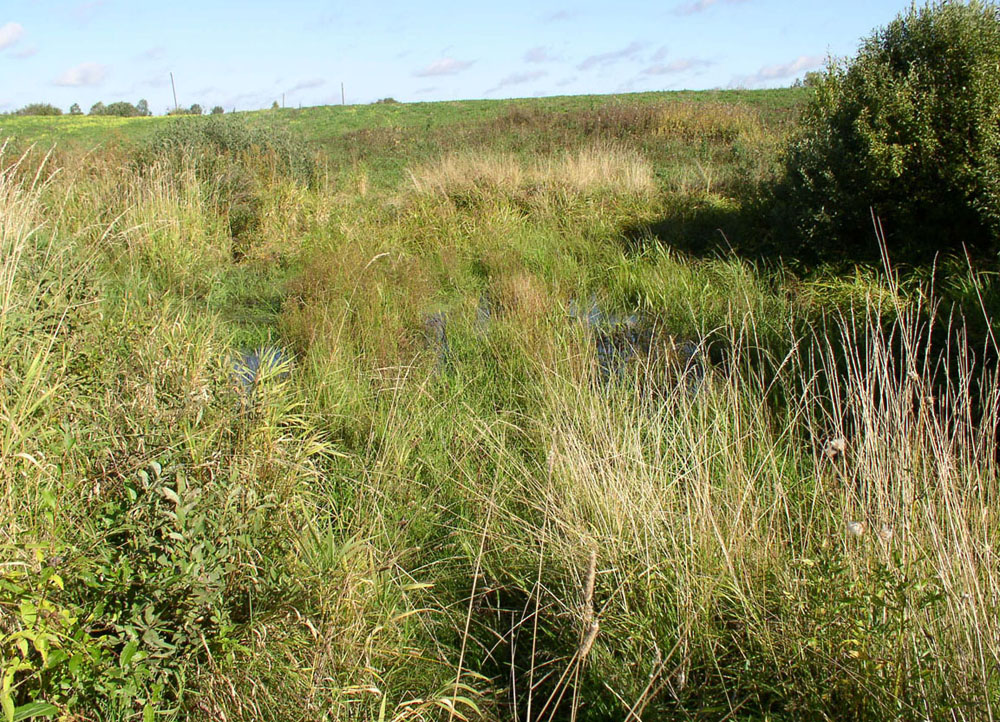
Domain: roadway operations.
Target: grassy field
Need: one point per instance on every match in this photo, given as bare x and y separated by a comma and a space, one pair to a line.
457, 411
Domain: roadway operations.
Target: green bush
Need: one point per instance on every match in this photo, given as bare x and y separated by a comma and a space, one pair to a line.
39, 109
909, 129
218, 141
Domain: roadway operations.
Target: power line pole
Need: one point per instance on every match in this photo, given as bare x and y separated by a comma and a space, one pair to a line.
174, 88
343, 98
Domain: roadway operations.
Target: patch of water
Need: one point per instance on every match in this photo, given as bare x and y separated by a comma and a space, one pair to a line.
250, 367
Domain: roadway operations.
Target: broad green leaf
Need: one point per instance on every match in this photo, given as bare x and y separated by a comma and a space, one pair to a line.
33, 710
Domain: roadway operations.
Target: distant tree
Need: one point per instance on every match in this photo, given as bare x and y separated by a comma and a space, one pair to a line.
217, 110
196, 110
39, 109
274, 105
143, 107
386, 101
122, 109
75, 109
98, 109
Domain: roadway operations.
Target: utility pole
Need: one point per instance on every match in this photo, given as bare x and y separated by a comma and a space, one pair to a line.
282, 100
343, 98
174, 88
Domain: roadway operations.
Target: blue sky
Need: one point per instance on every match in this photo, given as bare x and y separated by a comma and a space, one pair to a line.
246, 55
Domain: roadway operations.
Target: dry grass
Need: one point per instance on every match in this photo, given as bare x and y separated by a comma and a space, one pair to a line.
598, 169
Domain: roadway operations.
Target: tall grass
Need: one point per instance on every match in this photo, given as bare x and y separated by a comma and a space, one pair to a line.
443, 503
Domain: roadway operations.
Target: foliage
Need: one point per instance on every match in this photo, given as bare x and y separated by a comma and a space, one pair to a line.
909, 128
217, 110
75, 109
121, 109
39, 109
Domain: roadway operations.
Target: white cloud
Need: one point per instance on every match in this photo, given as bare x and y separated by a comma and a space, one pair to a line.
560, 15
676, 66
157, 52
609, 58
702, 5
10, 33
83, 74
780, 71
444, 66
539, 54
307, 84
25, 53
84, 12
518, 79
660, 54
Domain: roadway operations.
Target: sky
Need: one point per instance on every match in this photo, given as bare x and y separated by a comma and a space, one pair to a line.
249, 54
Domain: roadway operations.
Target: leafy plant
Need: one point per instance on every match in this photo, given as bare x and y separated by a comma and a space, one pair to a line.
908, 129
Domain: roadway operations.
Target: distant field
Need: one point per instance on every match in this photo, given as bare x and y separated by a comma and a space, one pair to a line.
321, 124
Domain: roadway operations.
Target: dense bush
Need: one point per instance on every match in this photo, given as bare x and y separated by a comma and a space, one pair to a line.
909, 129
39, 109
221, 139
193, 110
121, 109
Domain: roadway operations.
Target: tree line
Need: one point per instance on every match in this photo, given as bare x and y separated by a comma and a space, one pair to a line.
121, 108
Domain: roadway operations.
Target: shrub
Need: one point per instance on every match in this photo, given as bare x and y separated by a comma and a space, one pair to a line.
910, 128
75, 109
98, 108
217, 110
122, 109
39, 109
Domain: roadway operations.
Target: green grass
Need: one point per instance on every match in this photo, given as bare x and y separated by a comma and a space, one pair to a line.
780, 504
320, 125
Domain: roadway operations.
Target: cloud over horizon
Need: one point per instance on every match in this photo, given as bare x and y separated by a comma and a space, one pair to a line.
603, 59
677, 66
307, 85
518, 79
444, 66
84, 74
780, 71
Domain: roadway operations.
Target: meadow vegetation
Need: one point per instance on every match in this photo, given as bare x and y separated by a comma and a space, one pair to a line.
455, 416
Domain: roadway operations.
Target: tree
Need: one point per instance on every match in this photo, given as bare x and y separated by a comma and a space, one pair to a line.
195, 110
217, 110
122, 109
909, 128
97, 109
274, 105
39, 109
143, 107
75, 109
